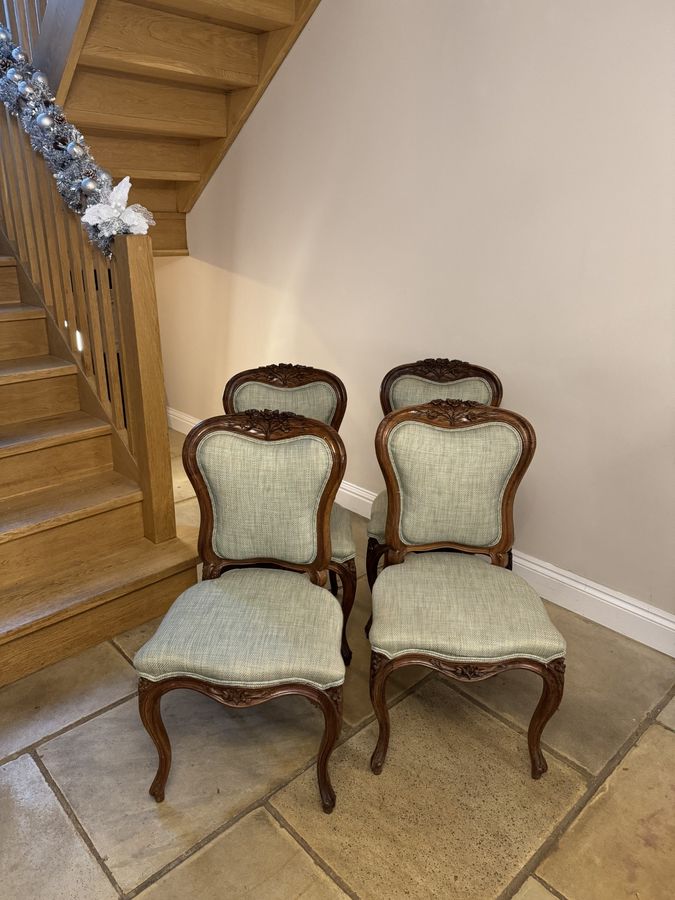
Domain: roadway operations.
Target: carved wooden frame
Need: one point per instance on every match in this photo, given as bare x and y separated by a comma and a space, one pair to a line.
288, 375
329, 701
264, 425
451, 415
552, 675
444, 371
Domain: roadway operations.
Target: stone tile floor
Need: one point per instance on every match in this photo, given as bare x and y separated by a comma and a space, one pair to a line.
453, 815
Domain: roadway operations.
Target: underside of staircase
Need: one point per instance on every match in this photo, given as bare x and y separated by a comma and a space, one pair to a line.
161, 88
75, 566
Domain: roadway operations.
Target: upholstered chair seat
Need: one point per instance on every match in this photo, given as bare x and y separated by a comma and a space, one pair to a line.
316, 394
413, 384
460, 607
249, 627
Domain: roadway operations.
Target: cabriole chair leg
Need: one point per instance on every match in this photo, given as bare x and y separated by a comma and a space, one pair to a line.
379, 672
553, 676
149, 707
330, 702
347, 574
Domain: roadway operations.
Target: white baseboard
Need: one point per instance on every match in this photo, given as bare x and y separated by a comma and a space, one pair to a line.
355, 498
180, 421
626, 615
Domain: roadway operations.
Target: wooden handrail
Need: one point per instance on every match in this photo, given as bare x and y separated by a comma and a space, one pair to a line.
104, 311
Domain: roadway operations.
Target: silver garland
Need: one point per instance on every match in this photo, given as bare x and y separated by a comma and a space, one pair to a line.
79, 179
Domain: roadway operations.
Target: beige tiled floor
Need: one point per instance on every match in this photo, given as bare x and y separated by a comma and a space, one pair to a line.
453, 815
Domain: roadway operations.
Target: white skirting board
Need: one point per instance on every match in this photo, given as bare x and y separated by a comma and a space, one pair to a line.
626, 615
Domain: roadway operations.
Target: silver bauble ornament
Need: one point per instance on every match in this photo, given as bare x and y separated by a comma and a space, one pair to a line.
40, 79
18, 55
45, 122
5, 36
26, 90
75, 150
88, 186
13, 75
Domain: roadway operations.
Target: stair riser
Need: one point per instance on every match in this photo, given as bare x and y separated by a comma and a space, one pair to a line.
27, 337
26, 400
47, 645
9, 286
48, 466
69, 543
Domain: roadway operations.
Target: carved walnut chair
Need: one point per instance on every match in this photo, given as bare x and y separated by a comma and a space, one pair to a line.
260, 625
419, 382
319, 395
452, 469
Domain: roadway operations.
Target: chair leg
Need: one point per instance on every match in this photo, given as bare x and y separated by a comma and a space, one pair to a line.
149, 707
347, 573
332, 578
330, 702
373, 554
379, 672
553, 676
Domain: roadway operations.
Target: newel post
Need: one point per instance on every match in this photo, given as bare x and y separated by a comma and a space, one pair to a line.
144, 381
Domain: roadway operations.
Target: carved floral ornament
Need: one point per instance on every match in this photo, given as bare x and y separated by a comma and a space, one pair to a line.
441, 369
265, 422
287, 374
454, 412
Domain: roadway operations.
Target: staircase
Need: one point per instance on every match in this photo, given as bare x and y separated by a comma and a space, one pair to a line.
75, 566
161, 88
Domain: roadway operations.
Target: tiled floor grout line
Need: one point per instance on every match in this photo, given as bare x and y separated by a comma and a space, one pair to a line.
77, 825
514, 726
29, 748
122, 652
549, 887
593, 787
311, 852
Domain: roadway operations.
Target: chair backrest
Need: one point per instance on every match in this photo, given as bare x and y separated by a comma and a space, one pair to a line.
438, 379
452, 468
265, 482
309, 392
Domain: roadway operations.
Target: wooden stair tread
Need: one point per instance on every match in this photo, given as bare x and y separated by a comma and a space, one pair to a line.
153, 174
259, 15
14, 312
63, 429
125, 37
31, 606
7, 261
53, 506
32, 368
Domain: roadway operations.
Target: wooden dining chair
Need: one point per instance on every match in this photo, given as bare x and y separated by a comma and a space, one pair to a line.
320, 395
452, 469
419, 382
261, 624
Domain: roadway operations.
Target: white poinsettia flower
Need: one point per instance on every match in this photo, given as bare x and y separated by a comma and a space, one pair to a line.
113, 216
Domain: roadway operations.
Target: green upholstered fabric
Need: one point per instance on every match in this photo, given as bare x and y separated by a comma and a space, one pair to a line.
316, 400
252, 627
378, 517
341, 537
452, 480
412, 390
460, 607
265, 495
